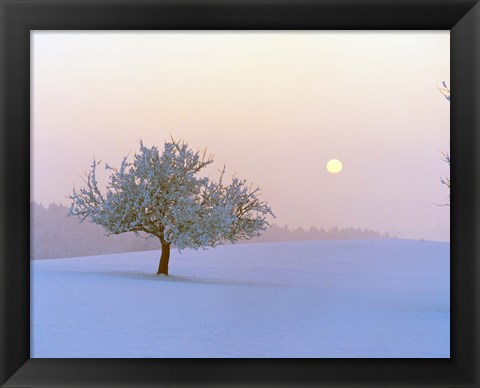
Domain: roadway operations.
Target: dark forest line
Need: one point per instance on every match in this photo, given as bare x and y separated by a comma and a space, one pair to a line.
54, 235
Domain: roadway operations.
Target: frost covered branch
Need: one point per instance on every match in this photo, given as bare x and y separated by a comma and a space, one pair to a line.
445, 155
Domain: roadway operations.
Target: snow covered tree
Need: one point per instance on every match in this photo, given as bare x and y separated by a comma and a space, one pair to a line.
162, 194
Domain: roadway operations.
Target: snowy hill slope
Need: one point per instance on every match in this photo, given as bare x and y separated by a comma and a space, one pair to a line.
374, 298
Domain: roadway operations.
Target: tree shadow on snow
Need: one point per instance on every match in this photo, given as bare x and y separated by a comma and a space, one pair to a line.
188, 279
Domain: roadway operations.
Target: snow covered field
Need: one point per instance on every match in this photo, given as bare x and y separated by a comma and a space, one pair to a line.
370, 298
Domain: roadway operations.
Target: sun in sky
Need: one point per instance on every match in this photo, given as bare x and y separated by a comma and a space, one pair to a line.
334, 166
127, 100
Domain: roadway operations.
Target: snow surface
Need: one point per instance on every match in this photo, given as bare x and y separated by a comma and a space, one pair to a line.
363, 298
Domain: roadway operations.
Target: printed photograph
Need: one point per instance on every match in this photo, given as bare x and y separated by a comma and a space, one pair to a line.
240, 194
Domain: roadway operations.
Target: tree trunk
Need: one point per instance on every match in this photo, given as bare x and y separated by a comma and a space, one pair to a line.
163, 265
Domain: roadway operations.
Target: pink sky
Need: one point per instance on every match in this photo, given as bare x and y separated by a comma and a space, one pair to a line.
273, 107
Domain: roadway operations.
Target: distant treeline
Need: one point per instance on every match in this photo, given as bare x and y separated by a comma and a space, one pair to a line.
54, 235
276, 233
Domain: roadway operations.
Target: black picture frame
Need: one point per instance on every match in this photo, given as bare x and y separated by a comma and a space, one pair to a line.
19, 17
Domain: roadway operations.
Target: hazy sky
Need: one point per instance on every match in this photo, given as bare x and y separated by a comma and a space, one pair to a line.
273, 107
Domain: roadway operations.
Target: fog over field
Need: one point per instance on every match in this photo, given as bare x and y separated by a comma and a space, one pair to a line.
52, 232
332, 145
